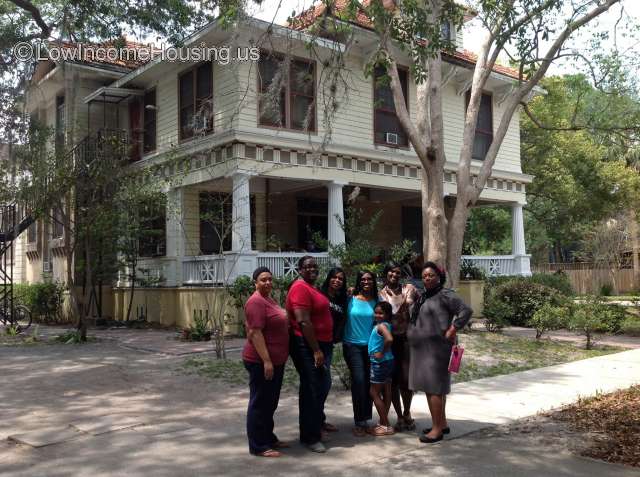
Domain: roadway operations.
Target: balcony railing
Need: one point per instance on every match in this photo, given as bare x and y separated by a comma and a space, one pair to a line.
285, 264
493, 265
205, 270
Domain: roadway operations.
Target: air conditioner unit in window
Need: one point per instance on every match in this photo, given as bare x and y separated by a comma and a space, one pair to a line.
391, 138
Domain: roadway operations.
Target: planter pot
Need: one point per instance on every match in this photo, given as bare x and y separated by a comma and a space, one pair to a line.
472, 292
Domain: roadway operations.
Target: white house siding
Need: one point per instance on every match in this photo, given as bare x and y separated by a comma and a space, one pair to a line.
191, 221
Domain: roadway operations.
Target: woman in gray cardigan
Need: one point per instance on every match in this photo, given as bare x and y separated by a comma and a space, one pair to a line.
435, 320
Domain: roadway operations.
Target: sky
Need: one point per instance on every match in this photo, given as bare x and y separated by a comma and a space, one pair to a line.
279, 10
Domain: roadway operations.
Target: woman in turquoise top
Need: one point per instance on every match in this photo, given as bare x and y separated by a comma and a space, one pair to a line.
354, 346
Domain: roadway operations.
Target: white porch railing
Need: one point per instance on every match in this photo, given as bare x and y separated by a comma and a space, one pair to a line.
204, 270
284, 264
494, 265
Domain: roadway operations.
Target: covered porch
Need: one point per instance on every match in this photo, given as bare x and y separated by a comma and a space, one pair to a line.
219, 229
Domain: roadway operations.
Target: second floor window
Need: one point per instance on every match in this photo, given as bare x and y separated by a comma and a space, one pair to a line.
58, 223
386, 125
484, 127
287, 96
60, 123
32, 232
196, 101
149, 114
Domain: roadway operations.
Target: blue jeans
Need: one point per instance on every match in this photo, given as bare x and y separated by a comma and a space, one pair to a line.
357, 359
314, 387
263, 402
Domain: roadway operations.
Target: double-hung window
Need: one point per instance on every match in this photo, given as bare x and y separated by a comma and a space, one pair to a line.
196, 101
484, 127
287, 93
386, 125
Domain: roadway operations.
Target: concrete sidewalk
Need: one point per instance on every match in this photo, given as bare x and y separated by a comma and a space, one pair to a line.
132, 413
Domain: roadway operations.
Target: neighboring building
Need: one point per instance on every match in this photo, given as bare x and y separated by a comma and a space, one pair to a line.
278, 183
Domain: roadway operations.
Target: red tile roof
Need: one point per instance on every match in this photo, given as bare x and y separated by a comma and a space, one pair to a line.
308, 17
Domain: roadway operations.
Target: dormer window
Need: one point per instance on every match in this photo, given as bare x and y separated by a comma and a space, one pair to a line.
387, 129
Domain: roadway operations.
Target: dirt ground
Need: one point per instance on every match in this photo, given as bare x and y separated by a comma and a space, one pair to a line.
184, 424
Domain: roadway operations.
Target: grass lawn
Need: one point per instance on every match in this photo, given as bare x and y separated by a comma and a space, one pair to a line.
486, 354
492, 354
612, 421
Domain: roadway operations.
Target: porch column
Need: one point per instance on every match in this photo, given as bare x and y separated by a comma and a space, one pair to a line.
241, 213
335, 233
241, 260
522, 265
259, 188
175, 243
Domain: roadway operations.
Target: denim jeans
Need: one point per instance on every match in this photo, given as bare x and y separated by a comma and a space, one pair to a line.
357, 359
263, 402
328, 358
314, 387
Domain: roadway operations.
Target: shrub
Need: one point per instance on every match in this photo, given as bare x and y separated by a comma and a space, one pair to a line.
548, 318
468, 271
497, 313
631, 326
558, 280
595, 316
240, 290
281, 287
606, 289
525, 298
43, 299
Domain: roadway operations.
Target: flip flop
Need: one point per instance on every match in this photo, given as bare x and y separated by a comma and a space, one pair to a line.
269, 453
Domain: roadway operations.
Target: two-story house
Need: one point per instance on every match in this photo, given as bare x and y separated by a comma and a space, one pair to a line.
269, 171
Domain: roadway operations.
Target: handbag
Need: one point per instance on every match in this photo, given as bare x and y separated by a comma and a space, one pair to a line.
456, 358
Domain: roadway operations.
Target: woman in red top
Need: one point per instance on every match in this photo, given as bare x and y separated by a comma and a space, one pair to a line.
265, 354
311, 350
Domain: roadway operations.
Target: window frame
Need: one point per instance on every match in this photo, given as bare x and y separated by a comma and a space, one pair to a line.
404, 70
154, 122
194, 85
484, 132
288, 94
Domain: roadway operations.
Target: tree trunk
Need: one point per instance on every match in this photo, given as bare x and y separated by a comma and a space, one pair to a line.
455, 238
133, 277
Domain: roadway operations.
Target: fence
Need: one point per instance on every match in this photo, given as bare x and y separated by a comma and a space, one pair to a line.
589, 278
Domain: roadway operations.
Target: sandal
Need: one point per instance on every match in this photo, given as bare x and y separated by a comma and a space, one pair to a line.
269, 453
280, 445
381, 430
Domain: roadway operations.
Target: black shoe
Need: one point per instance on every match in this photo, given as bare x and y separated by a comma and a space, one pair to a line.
429, 440
446, 430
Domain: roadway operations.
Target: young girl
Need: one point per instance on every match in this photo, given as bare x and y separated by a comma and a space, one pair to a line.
381, 358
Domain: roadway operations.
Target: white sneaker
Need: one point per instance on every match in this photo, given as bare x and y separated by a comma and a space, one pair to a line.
317, 447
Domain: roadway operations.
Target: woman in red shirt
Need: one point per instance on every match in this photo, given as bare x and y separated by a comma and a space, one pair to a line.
311, 350
265, 354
